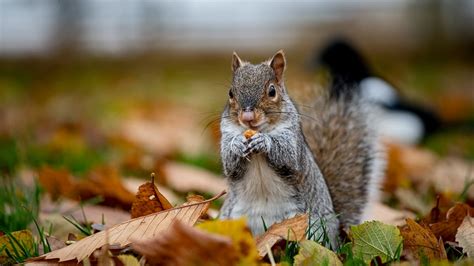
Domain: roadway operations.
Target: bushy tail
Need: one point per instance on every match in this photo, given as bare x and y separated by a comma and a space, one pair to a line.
347, 150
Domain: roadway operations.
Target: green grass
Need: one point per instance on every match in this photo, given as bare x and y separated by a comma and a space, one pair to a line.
19, 205
9, 157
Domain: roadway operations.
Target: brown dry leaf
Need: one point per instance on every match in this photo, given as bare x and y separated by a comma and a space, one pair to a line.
465, 236
132, 184
426, 170
104, 182
143, 228
396, 172
420, 241
149, 200
292, 229
107, 183
447, 229
185, 178
57, 182
185, 245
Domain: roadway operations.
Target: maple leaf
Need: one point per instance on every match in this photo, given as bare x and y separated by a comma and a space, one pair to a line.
122, 234
420, 241
149, 200
293, 229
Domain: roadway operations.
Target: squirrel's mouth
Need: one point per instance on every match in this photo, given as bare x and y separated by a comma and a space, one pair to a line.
257, 126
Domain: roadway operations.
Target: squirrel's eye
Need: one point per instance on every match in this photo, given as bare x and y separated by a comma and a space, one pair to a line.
272, 91
231, 95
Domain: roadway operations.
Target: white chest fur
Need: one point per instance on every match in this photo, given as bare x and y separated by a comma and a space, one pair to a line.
263, 194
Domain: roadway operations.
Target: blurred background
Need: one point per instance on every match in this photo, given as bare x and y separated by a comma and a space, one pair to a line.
138, 86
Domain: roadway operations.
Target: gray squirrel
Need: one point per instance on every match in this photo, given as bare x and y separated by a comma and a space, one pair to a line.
327, 166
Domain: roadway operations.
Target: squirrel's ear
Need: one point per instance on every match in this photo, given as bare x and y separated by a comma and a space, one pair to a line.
278, 63
236, 62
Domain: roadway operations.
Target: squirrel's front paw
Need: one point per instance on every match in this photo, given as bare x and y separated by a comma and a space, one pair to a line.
238, 145
258, 143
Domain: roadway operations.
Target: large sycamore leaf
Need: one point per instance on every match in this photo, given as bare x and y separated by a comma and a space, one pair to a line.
465, 236
312, 253
123, 234
293, 229
421, 242
375, 239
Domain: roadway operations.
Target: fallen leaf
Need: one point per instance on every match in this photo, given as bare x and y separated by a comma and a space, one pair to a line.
375, 239
447, 229
57, 182
242, 239
143, 228
465, 236
426, 170
149, 200
8, 243
128, 260
420, 241
132, 184
185, 178
184, 245
293, 229
396, 172
105, 182
312, 253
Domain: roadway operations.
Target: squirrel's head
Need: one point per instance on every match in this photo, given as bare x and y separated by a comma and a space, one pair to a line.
257, 91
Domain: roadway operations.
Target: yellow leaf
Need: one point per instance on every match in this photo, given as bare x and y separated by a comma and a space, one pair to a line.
128, 260
184, 245
143, 228
242, 239
312, 253
24, 237
420, 241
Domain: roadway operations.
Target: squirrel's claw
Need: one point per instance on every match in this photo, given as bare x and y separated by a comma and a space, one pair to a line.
257, 143
238, 145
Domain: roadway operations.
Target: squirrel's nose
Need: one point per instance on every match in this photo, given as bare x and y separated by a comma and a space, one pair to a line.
248, 116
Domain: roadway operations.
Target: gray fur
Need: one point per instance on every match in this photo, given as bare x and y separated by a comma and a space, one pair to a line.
274, 175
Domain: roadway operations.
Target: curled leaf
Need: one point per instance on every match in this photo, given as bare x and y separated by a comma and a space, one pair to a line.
149, 200
292, 229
